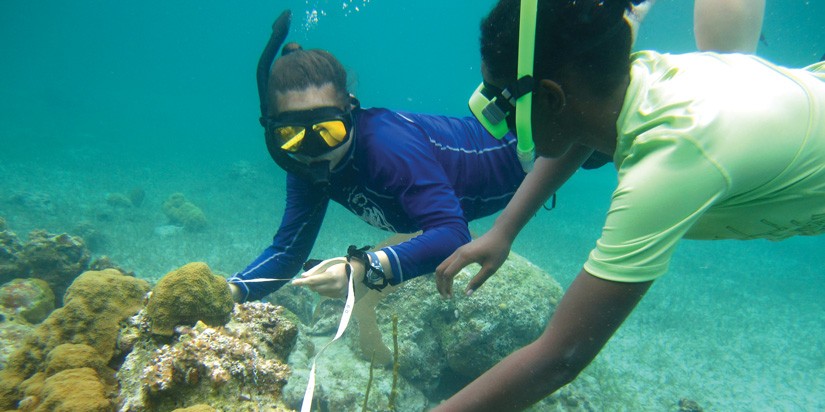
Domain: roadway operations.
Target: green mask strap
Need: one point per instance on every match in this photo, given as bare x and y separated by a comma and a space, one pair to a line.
524, 106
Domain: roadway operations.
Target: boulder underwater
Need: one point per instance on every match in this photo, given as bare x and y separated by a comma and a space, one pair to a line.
442, 344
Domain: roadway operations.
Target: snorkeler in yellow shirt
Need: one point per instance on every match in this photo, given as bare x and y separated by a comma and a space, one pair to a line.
707, 146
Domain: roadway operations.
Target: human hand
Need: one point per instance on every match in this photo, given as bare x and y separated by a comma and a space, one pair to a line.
235, 291
330, 280
490, 251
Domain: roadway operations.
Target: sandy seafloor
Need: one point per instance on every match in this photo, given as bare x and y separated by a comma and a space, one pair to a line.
103, 97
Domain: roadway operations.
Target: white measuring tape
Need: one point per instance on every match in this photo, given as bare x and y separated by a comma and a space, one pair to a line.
342, 326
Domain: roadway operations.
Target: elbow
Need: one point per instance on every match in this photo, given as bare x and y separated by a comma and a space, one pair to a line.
572, 367
560, 375
560, 369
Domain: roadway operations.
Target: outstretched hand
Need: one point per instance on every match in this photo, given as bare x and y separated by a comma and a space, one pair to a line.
330, 281
489, 251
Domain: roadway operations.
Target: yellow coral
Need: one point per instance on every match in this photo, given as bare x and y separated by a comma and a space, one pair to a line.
73, 356
184, 213
96, 302
187, 295
75, 390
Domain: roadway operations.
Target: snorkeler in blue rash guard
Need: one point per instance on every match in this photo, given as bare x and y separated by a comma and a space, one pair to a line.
400, 172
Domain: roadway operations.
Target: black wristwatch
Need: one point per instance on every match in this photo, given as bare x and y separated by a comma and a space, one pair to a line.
374, 273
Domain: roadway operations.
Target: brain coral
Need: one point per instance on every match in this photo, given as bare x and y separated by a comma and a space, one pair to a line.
75, 390
57, 259
184, 213
187, 295
96, 303
31, 298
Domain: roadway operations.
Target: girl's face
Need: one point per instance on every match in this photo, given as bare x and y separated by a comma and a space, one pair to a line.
312, 98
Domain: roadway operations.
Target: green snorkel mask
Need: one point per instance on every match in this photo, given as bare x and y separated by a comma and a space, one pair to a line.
500, 110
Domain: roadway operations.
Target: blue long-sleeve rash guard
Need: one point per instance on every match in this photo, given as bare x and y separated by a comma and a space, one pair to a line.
405, 172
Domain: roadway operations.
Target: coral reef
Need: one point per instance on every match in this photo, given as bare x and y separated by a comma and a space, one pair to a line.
104, 262
184, 213
37, 202
118, 200
73, 356
32, 299
197, 408
189, 294
300, 301
10, 247
73, 390
238, 367
57, 259
95, 239
13, 332
136, 195
273, 328
689, 405
95, 304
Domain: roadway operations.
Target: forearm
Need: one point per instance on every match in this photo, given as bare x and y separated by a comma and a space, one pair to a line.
728, 25
421, 254
272, 263
586, 318
547, 177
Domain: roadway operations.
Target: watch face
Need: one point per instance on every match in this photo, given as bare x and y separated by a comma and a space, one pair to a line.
373, 276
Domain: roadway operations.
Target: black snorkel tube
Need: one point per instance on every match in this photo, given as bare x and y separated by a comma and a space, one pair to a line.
279, 31
316, 172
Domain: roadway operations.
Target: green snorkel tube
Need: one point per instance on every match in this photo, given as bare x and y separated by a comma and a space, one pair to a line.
526, 149
492, 107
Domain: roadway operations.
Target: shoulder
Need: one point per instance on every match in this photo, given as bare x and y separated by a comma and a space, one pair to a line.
389, 144
381, 120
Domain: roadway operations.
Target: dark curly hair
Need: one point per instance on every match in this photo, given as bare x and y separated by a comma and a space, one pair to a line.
587, 36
